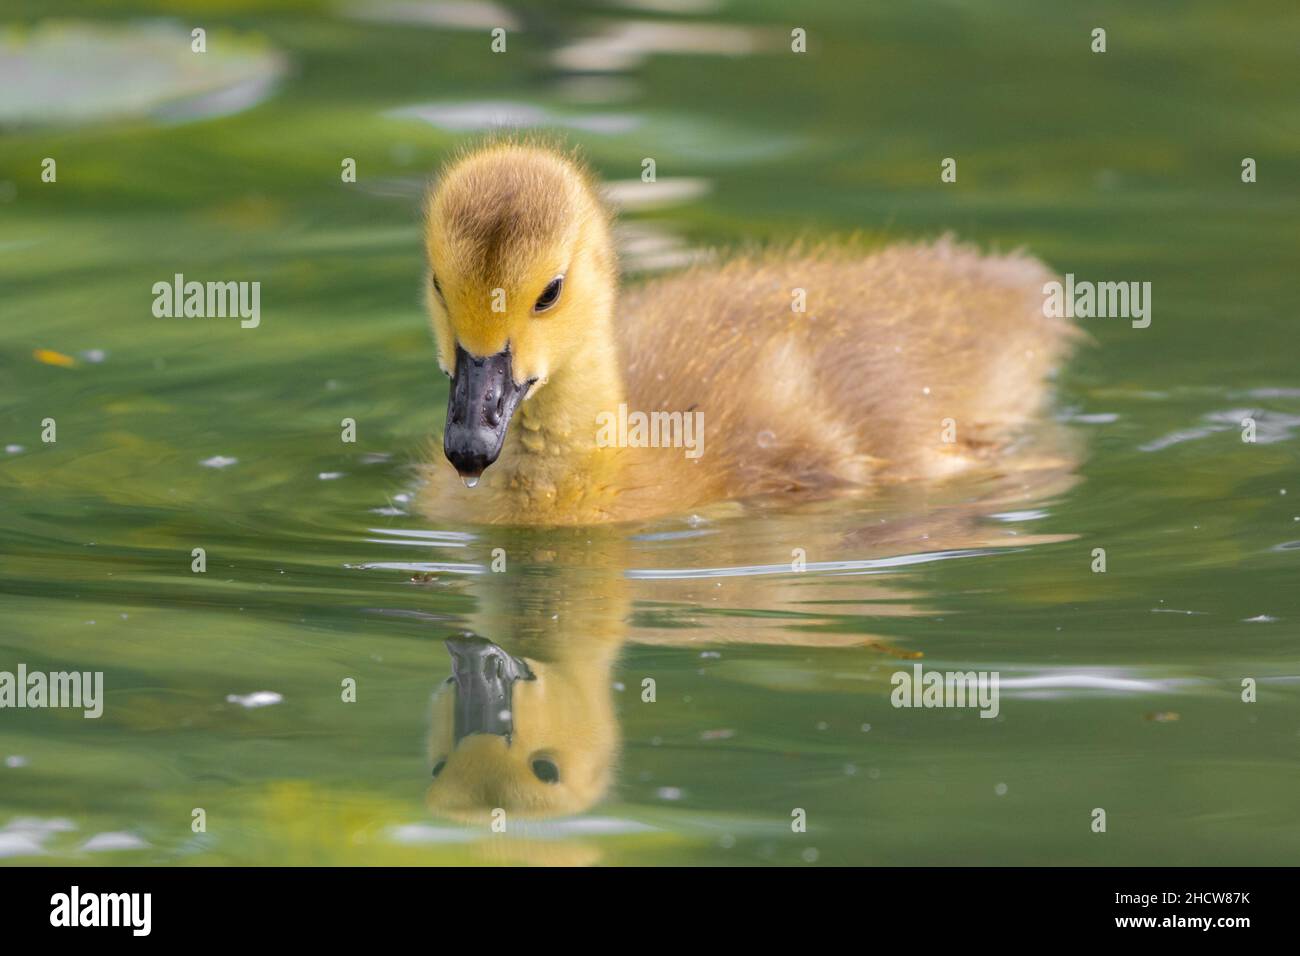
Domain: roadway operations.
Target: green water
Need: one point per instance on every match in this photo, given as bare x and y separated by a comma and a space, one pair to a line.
1120, 690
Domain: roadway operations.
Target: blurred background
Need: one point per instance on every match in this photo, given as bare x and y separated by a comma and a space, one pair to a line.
1121, 690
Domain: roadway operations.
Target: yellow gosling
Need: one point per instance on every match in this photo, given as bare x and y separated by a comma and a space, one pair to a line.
914, 362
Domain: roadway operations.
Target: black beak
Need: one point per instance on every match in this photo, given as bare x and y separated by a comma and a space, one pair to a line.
483, 397
484, 675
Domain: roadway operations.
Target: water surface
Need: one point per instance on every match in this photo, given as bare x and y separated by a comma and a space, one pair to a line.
1120, 690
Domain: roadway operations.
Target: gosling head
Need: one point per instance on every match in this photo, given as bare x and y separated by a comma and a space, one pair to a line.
522, 278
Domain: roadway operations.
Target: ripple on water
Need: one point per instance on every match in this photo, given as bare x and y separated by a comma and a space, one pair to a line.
1270, 428
1070, 683
840, 567
260, 698
441, 14
626, 45
476, 116
26, 836
110, 842
423, 834
421, 537
426, 567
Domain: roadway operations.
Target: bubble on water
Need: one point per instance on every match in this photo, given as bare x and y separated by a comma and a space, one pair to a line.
669, 793
218, 461
810, 855
331, 475
14, 761
13, 449
1000, 790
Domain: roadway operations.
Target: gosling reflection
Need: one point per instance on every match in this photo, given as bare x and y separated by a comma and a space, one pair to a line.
535, 736
526, 723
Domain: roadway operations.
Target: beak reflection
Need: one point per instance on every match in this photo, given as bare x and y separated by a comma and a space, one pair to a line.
484, 676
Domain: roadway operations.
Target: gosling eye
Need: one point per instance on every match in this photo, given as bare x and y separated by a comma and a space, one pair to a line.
437, 768
550, 295
546, 771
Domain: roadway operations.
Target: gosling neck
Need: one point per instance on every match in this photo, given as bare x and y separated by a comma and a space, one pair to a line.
553, 453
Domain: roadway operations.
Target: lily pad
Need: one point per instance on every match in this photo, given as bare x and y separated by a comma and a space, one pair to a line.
71, 73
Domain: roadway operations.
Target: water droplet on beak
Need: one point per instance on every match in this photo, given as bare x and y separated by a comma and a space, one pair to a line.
470, 480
